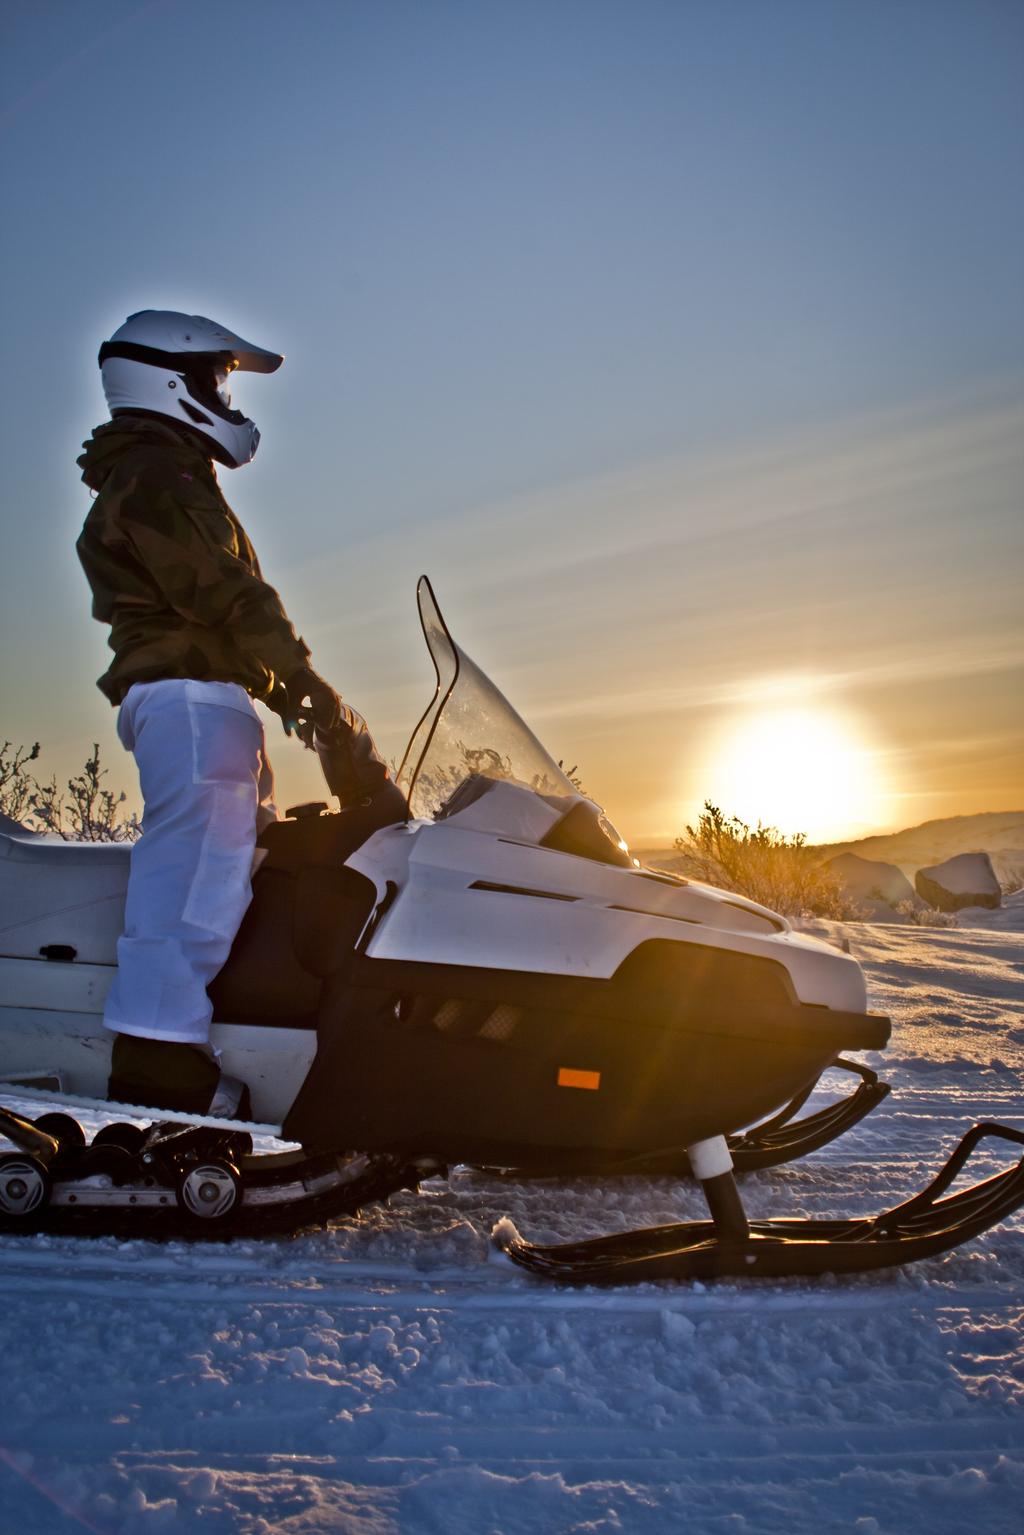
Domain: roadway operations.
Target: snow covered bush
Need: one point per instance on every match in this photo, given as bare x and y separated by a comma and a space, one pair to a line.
775, 870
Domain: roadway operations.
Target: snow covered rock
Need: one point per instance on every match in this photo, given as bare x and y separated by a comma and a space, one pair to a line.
877, 887
967, 880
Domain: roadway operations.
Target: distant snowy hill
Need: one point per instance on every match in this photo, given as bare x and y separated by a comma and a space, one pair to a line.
1000, 834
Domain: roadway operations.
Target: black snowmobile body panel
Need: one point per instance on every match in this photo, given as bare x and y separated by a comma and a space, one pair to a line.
306, 913
477, 1064
562, 1072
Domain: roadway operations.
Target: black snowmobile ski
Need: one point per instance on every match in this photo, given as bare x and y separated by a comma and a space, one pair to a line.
785, 1139
730, 1246
178, 1180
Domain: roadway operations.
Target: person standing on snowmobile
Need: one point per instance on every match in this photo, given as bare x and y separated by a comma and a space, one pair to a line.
197, 634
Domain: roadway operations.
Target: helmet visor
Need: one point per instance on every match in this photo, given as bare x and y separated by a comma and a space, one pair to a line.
222, 383
210, 386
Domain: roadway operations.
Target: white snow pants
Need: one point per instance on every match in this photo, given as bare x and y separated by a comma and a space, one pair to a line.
208, 790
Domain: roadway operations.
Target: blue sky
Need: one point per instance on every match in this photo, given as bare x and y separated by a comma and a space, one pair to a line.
540, 270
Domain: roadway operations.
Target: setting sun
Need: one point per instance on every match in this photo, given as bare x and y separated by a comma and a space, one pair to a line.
800, 769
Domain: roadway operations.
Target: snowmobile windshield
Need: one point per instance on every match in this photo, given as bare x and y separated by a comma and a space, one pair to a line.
469, 728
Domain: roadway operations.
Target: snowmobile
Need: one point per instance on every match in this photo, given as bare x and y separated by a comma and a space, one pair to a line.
464, 967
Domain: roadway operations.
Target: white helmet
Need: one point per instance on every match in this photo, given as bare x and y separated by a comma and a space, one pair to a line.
161, 363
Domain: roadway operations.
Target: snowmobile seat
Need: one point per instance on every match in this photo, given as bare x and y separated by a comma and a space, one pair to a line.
65, 900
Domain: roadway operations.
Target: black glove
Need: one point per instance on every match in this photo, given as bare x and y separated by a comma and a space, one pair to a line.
323, 711
352, 765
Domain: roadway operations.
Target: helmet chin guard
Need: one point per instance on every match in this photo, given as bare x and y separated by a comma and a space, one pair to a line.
177, 366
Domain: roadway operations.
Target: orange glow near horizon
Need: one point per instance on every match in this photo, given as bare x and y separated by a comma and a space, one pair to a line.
799, 768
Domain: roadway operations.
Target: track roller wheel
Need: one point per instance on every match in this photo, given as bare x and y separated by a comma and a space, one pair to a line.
210, 1192
67, 1132
24, 1186
128, 1137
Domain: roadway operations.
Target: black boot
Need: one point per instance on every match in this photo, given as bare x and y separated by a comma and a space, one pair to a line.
166, 1074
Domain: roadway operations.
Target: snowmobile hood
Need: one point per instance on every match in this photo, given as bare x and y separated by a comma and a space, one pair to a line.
113, 439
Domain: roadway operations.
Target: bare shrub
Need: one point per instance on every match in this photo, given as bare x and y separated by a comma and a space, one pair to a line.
925, 916
83, 812
17, 784
776, 871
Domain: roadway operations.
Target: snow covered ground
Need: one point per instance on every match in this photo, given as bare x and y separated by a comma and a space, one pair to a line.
393, 1377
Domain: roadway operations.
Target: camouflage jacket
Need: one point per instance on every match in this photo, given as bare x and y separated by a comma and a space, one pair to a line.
172, 570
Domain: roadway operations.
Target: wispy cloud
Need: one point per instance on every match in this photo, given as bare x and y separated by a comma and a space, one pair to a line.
805, 688
913, 464
874, 568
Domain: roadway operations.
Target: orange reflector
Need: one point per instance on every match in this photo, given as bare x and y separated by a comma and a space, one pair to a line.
568, 1077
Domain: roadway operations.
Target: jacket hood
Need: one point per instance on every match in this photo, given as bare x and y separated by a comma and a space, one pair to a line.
113, 439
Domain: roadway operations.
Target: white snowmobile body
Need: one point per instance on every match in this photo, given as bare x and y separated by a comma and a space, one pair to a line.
467, 894
463, 967
494, 977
